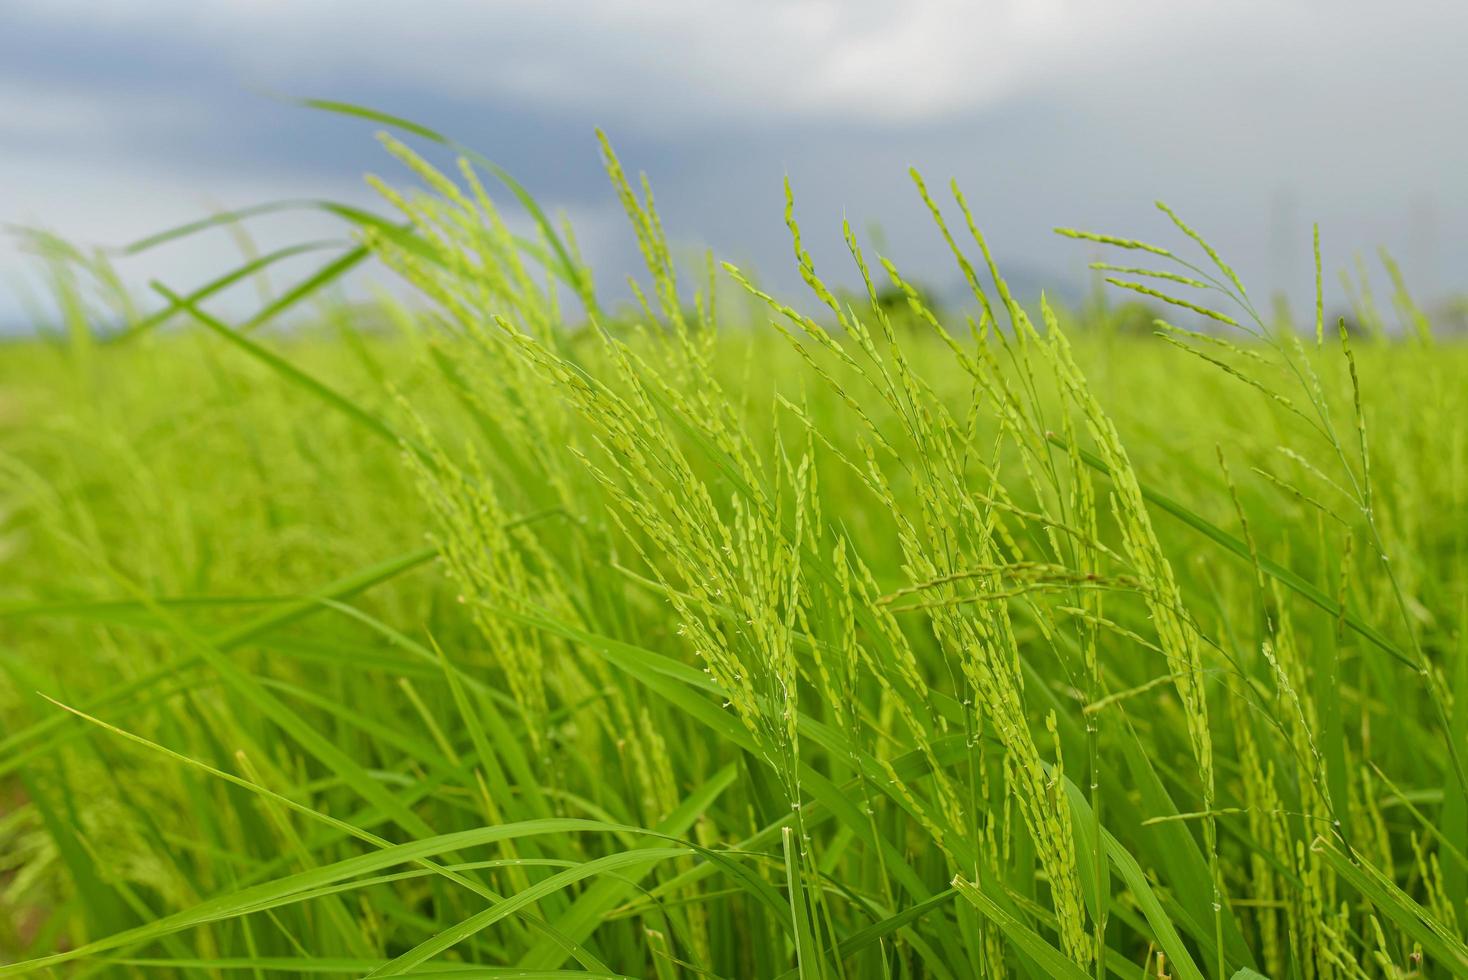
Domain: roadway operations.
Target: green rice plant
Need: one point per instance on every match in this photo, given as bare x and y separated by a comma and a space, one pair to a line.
507, 633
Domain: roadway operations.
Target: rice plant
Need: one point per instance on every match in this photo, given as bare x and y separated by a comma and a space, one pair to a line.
726, 634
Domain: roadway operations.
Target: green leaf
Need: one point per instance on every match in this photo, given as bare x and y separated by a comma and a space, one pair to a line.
328, 273
1444, 949
460, 931
586, 913
229, 639
564, 266
1052, 960
1240, 550
290, 372
246, 900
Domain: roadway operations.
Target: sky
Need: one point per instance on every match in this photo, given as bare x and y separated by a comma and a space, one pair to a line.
1252, 119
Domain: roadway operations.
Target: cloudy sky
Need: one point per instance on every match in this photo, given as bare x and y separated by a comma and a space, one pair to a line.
1251, 118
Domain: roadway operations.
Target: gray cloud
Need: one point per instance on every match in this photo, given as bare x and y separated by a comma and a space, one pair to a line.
1251, 118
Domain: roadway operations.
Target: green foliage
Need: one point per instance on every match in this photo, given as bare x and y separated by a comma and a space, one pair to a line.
865, 643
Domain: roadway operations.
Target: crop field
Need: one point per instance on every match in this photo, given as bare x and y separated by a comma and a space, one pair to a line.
495, 632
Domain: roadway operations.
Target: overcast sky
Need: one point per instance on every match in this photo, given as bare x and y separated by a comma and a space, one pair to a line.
1251, 118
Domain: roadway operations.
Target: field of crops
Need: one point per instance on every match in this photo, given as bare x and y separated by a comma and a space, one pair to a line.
475, 636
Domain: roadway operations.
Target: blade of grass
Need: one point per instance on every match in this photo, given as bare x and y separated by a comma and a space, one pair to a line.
564, 267
228, 639
293, 374
1240, 550
328, 273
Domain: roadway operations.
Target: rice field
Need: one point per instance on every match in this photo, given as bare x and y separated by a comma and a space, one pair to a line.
498, 633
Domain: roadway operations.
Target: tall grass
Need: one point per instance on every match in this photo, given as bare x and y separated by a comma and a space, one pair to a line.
483, 638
